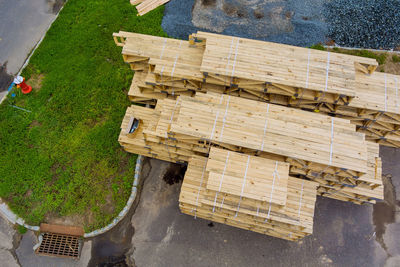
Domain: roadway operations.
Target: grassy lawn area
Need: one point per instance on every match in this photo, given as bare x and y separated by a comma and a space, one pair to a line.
63, 159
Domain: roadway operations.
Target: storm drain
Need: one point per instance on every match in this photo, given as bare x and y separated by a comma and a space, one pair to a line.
60, 241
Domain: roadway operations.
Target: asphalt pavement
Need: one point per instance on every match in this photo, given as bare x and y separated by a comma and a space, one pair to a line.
22, 24
345, 234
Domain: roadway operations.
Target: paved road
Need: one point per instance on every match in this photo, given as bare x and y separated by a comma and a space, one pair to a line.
344, 233
22, 25
28, 258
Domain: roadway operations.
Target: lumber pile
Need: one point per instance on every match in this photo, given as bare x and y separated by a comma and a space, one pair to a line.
331, 83
316, 146
237, 111
310, 153
248, 192
145, 6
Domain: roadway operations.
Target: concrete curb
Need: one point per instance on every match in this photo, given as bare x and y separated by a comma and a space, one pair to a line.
8, 214
367, 49
128, 206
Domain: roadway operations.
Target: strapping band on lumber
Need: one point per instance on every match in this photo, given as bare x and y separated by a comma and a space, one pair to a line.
331, 83
251, 164
178, 129
285, 209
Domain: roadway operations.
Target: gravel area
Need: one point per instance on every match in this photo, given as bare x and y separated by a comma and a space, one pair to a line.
366, 24
283, 21
353, 23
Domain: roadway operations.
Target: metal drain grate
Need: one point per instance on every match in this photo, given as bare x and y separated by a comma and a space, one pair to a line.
59, 245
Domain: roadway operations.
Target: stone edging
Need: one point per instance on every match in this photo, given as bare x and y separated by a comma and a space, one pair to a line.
13, 218
367, 49
128, 205
6, 212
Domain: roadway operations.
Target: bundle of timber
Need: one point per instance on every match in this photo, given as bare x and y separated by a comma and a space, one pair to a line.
335, 84
248, 192
145, 6
316, 146
252, 164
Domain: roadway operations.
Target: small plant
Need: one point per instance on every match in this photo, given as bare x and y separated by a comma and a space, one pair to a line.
318, 47
21, 229
396, 58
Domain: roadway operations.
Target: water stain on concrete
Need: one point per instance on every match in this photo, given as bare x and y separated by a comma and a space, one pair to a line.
384, 212
175, 173
110, 248
5, 78
55, 5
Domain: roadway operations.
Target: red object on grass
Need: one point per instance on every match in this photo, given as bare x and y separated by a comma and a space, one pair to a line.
20, 81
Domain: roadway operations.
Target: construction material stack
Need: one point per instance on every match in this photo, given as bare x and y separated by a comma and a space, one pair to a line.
331, 83
248, 192
216, 96
316, 146
145, 6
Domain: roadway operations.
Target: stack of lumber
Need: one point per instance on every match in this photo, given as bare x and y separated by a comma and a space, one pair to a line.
145, 6
237, 111
331, 83
316, 146
248, 192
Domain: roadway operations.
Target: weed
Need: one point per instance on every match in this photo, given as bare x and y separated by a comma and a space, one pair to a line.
380, 57
318, 47
21, 229
396, 58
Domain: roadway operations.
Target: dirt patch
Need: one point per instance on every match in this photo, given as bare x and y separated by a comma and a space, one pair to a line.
208, 3
229, 9
258, 14
390, 66
109, 207
36, 81
175, 174
34, 123
28, 193
72, 220
5, 78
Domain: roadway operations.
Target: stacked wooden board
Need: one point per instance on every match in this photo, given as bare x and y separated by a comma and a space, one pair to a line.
335, 84
258, 165
145, 6
316, 146
248, 192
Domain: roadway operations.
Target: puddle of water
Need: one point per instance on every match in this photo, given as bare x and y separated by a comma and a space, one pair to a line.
109, 249
175, 174
384, 212
5, 78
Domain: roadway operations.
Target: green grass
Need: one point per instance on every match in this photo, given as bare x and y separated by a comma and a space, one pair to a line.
63, 158
380, 57
396, 58
21, 229
318, 47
